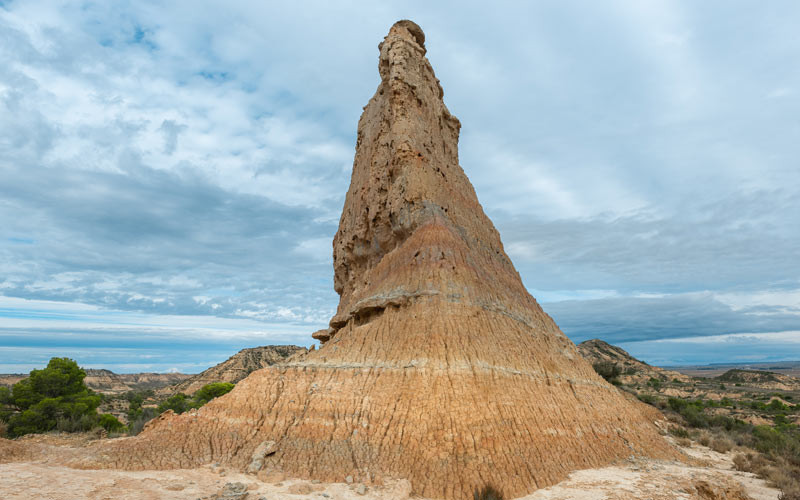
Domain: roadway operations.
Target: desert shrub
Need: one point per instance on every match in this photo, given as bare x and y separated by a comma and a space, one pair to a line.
178, 403
110, 423
685, 442
142, 416
76, 423
488, 492
778, 472
211, 391
608, 370
694, 417
678, 432
676, 404
647, 398
654, 383
768, 440
53, 398
752, 462
721, 445
704, 439
5, 404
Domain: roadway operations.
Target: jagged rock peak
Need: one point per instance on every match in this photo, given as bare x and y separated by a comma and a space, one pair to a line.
406, 177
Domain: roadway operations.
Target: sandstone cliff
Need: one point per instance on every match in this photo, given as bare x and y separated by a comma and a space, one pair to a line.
632, 371
235, 368
438, 366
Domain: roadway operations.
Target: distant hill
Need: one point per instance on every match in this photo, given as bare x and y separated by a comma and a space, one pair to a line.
633, 371
108, 382
9, 379
235, 368
790, 368
760, 378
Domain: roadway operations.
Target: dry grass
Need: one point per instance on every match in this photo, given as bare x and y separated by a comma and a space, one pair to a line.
685, 442
779, 473
721, 444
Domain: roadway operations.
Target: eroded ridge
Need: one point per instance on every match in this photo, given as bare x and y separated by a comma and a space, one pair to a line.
438, 366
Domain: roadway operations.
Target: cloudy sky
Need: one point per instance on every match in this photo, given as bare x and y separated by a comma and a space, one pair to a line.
171, 175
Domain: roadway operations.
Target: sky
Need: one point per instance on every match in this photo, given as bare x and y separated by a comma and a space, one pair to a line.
172, 173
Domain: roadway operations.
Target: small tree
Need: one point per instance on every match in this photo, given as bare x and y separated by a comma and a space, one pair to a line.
110, 423
54, 397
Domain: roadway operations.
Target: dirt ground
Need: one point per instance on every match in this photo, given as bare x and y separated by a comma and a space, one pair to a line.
45, 479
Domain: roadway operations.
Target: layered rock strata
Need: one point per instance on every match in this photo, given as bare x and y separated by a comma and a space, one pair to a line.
439, 366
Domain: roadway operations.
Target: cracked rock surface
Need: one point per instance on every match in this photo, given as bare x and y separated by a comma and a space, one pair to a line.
438, 366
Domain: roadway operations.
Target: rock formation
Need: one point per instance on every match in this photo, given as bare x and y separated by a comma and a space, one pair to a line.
632, 370
438, 366
235, 368
108, 382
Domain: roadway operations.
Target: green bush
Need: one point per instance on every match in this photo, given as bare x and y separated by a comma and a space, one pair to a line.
211, 391
676, 404
52, 398
178, 403
647, 398
654, 383
694, 417
5, 403
110, 423
141, 417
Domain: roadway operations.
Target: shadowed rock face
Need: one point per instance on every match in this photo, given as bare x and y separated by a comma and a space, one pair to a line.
439, 366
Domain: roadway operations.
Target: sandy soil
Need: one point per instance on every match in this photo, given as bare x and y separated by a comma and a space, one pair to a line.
648, 479
633, 479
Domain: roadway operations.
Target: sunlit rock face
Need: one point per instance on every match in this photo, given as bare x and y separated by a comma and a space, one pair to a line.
438, 367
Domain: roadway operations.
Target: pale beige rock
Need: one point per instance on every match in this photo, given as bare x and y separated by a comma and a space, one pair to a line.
439, 366
257, 458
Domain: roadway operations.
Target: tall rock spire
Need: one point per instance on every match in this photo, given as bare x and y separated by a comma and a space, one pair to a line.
438, 366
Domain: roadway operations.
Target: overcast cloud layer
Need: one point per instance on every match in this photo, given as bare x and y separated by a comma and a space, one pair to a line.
172, 175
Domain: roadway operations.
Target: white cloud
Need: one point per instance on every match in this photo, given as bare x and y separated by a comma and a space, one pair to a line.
192, 162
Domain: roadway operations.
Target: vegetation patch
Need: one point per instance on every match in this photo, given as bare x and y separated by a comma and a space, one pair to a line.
57, 399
